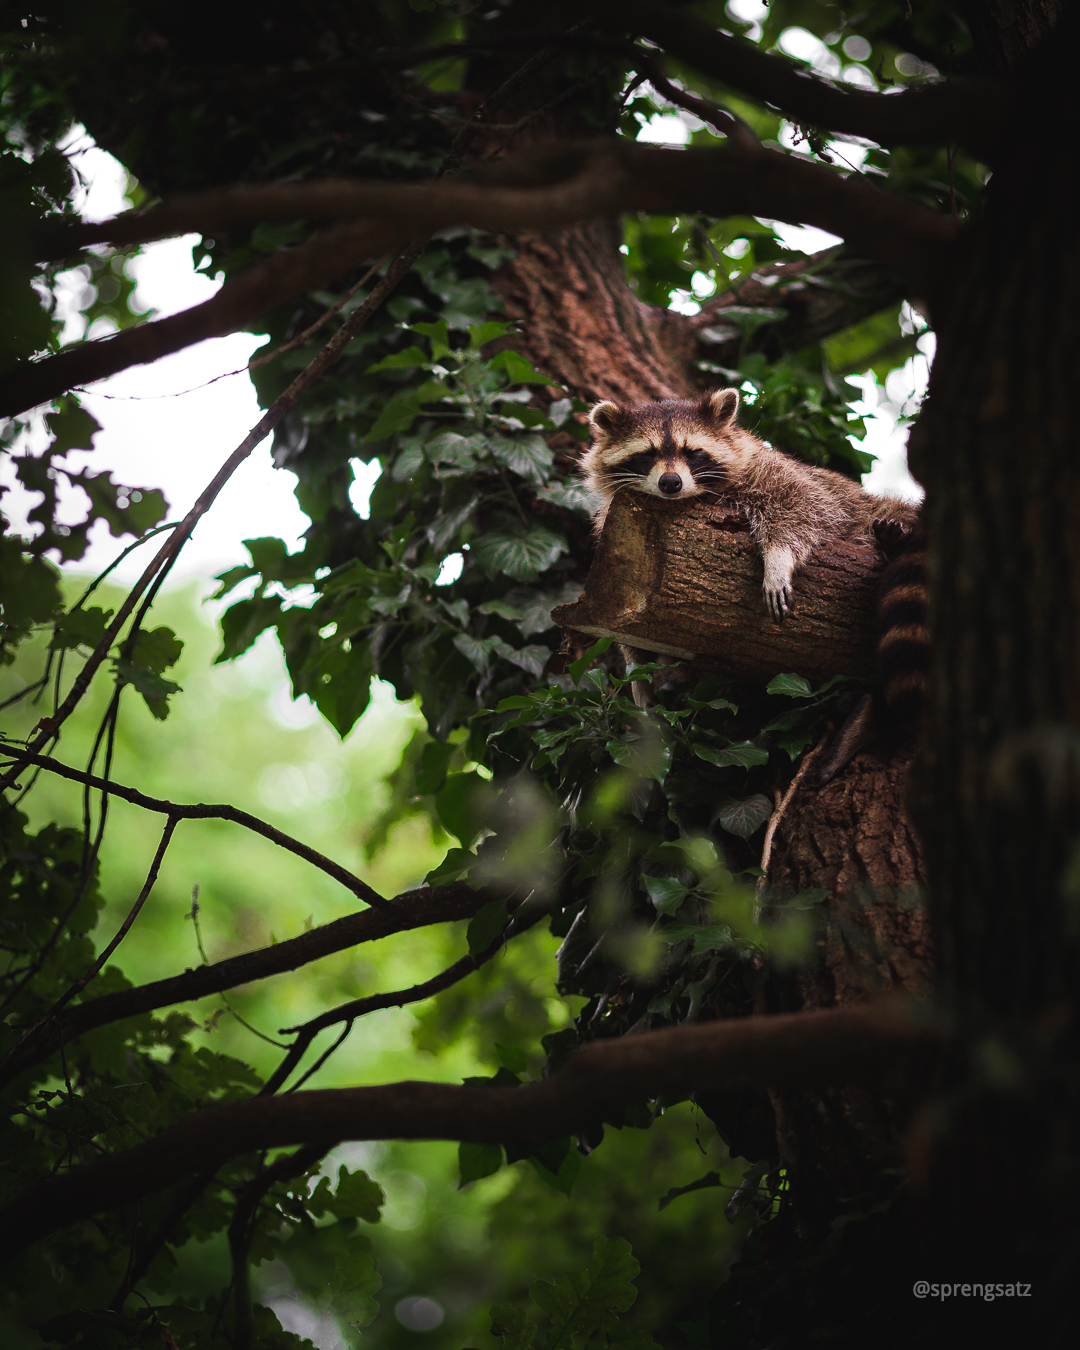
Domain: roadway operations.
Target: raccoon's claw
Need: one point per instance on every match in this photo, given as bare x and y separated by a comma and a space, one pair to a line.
778, 600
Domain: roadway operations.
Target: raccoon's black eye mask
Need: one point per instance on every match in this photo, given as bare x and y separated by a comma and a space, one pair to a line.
638, 466
702, 465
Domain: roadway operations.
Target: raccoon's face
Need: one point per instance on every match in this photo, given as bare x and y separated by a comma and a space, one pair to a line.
673, 449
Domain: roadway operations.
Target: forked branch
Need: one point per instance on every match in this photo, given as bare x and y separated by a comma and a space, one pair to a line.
413, 909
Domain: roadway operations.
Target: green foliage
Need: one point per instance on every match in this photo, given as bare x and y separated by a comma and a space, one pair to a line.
639, 833
580, 1308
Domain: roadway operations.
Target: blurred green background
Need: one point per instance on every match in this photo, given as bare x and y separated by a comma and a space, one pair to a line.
234, 734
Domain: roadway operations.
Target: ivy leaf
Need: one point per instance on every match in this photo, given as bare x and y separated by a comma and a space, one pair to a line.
528, 456
794, 686
478, 651
743, 754
666, 893
476, 1161
518, 551
743, 817
485, 926
404, 408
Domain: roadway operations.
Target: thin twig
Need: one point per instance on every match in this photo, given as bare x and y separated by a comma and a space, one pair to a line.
168, 554
359, 1007
224, 811
781, 808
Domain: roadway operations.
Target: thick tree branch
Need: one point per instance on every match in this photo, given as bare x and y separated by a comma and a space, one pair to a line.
971, 113
684, 579
558, 185
412, 909
818, 1049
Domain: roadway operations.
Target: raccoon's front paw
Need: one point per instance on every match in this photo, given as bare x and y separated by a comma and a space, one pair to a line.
890, 534
778, 597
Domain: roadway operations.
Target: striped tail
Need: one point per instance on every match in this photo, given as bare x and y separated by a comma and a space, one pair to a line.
903, 653
903, 648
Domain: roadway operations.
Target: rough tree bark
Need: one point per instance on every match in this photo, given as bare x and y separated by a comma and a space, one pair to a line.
684, 580
999, 789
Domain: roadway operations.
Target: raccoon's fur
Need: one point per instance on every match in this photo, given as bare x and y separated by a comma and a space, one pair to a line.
689, 447
895, 707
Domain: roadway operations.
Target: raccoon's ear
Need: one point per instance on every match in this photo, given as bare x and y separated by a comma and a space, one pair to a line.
605, 416
720, 406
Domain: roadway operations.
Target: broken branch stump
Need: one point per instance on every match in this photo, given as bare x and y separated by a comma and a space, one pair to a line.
684, 579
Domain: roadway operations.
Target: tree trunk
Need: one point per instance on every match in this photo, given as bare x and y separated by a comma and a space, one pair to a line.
999, 803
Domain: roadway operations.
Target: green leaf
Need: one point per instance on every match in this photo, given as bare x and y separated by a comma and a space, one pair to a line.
456, 862
431, 768
356, 1197
742, 754
153, 688
528, 456
666, 893
482, 333
485, 926
743, 817
512, 1058
512, 1325
794, 686
404, 408
476, 1161
157, 650
457, 806
81, 628
813, 895
578, 668
438, 335
72, 429
518, 369
583, 1302
242, 623
518, 551
561, 1175
411, 356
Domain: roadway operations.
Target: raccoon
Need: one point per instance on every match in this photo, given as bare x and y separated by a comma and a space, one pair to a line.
689, 447
895, 707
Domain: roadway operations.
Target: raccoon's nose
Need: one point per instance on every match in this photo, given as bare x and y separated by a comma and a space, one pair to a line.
670, 484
